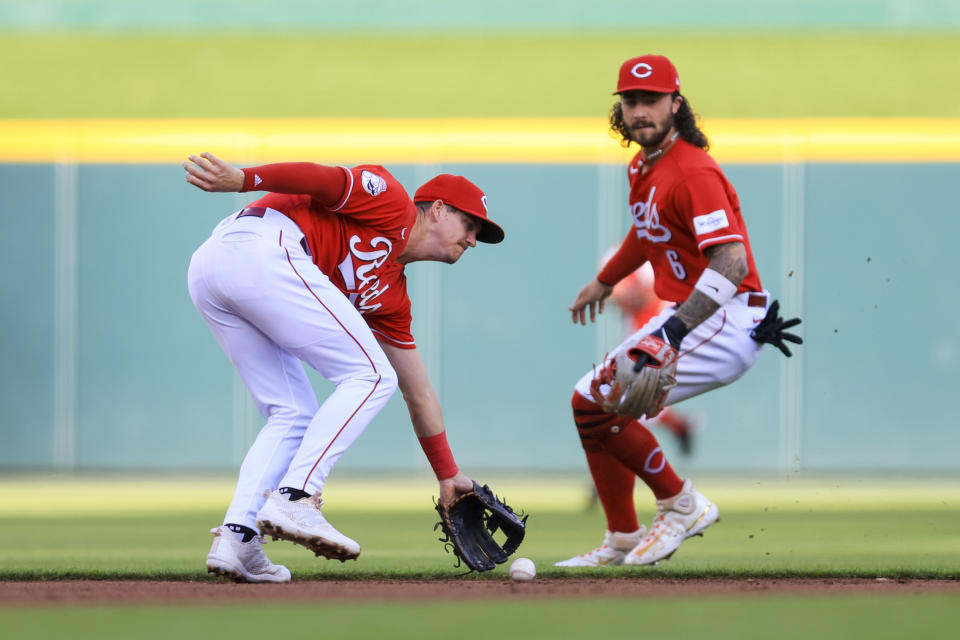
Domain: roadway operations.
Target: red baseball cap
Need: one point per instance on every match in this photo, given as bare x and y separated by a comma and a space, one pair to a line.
459, 192
648, 73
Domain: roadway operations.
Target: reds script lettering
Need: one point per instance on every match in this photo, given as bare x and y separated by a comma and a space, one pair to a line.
647, 220
369, 282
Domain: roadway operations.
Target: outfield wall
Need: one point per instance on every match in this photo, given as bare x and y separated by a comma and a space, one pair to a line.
435, 15
107, 365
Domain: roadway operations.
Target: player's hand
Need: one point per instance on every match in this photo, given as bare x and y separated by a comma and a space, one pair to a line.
210, 173
591, 297
771, 330
452, 487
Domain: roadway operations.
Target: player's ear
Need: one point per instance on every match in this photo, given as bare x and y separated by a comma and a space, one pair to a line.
677, 101
436, 209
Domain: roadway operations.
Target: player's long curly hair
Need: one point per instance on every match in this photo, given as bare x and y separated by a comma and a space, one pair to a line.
685, 121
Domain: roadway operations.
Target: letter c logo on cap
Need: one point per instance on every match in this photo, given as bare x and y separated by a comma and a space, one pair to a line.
641, 70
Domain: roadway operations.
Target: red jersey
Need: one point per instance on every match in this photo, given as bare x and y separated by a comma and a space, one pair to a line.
681, 206
356, 241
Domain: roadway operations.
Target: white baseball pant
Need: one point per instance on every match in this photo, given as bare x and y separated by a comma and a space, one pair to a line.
718, 351
270, 307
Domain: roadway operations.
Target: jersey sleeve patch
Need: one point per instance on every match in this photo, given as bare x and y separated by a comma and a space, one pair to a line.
710, 222
372, 183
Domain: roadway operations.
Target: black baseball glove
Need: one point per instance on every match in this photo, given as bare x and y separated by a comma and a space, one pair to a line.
469, 524
771, 330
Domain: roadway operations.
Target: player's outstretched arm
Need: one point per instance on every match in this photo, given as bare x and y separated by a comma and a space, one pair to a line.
325, 184
210, 173
427, 418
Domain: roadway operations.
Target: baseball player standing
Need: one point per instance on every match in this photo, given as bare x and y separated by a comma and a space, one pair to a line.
314, 273
687, 224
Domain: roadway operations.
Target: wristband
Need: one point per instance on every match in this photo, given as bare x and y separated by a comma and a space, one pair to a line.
716, 286
674, 330
439, 454
249, 178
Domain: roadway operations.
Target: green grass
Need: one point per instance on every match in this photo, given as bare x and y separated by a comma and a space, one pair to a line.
403, 545
128, 527
725, 75
877, 617
848, 527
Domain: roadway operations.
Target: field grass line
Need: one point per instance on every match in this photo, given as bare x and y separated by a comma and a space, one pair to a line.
465, 140
58, 495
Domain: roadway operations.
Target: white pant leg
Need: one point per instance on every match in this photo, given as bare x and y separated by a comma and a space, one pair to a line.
283, 394
717, 352
269, 305
323, 328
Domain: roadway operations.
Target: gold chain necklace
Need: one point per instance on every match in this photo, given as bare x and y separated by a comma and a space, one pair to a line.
663, 148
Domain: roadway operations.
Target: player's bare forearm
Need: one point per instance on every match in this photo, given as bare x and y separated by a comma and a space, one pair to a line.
424, 407
730, 261
422, 402
426, 414
695, 309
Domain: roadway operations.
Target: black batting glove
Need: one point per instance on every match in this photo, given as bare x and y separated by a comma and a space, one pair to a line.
673, 331
771, 330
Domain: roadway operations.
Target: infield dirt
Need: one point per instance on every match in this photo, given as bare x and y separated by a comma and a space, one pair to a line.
122, 591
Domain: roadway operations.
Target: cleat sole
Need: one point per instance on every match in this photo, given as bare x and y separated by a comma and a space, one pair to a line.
319, 546
224, 572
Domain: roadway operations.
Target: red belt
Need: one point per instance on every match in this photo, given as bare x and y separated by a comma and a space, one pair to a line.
757, 300
259, 212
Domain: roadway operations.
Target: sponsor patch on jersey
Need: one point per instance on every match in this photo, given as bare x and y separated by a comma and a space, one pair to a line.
710, 222
372, 183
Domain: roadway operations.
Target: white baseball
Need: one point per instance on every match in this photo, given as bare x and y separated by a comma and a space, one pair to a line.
523, 569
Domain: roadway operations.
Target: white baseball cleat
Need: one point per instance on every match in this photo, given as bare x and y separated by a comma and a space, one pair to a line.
685, 515
609, 554
301, 522
242, 561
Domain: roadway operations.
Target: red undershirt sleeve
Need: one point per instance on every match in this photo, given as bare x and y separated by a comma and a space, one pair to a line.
628, 258
325, 184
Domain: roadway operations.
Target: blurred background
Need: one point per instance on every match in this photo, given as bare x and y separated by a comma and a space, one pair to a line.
838, 123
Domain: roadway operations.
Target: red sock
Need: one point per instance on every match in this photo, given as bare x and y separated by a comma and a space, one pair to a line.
639, 451
614, 483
